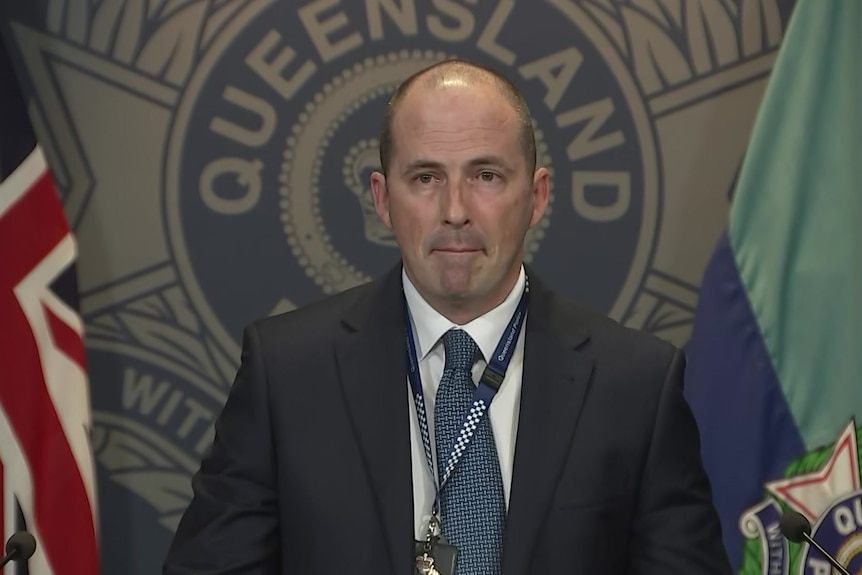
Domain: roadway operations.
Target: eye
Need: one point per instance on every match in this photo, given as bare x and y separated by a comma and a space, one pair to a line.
487, 176
425, 178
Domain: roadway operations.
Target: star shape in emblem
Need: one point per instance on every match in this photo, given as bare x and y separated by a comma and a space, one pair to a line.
104, 129
812, 493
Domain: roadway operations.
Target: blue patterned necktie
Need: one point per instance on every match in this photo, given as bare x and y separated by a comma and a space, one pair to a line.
472, 504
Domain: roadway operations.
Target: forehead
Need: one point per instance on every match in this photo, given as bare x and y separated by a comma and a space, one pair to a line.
455, 122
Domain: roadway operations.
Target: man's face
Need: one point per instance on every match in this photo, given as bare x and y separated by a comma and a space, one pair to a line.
457, 195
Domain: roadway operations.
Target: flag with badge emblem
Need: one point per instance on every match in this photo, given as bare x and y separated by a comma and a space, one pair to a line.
775, 358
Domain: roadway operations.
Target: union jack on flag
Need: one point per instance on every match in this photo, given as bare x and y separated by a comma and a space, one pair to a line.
47, 475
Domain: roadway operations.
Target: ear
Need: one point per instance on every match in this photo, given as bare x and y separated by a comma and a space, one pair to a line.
540, 194
381, 198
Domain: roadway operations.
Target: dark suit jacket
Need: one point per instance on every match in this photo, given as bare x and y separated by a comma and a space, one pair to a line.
310, 469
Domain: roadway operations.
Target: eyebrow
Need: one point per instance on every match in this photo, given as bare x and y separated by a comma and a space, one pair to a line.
491, 161
422, 164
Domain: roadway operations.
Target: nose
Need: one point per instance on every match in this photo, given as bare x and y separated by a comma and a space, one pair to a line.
453, 205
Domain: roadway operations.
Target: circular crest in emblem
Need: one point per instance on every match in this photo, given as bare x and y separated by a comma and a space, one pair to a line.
323, 135
267, 199
839, 531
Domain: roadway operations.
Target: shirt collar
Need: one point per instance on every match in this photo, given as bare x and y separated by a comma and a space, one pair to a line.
429, 325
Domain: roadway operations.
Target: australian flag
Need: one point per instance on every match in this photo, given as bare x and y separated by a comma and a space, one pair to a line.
47, 478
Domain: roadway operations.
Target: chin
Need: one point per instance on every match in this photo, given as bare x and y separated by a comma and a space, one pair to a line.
458, 285
458, 296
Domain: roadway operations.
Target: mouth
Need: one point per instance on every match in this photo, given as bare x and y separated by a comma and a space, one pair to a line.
457, 250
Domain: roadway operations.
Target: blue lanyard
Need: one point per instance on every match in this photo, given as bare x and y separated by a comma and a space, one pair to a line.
490, 382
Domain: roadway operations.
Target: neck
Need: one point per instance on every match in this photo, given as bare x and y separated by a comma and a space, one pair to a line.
462, 313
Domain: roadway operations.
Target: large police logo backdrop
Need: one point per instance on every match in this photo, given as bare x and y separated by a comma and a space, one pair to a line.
214, 159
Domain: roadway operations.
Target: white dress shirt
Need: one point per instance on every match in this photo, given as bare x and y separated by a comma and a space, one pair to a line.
429, 326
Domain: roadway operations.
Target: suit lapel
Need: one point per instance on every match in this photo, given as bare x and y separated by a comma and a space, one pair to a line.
372, 365
555, 380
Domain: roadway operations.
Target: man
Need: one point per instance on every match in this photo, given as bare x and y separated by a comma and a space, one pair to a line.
577, 454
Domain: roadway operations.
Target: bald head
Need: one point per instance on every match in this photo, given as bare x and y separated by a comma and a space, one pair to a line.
458, 73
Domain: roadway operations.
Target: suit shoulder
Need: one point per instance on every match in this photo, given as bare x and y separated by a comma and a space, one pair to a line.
314, 321
609, 337
630, 368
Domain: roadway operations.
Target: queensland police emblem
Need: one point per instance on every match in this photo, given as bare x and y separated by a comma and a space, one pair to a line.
214, 161
268, 202
824, 486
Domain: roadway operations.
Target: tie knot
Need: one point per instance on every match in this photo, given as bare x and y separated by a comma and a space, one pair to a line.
461, 350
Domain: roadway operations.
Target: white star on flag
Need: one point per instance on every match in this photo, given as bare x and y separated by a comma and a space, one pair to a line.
811, 494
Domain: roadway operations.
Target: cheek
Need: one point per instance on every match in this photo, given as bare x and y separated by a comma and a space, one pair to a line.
505, 221
407, 224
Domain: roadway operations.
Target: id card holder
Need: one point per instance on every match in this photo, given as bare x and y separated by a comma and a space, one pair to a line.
439, 560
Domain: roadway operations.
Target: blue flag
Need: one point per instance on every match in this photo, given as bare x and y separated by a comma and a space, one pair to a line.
775, 358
